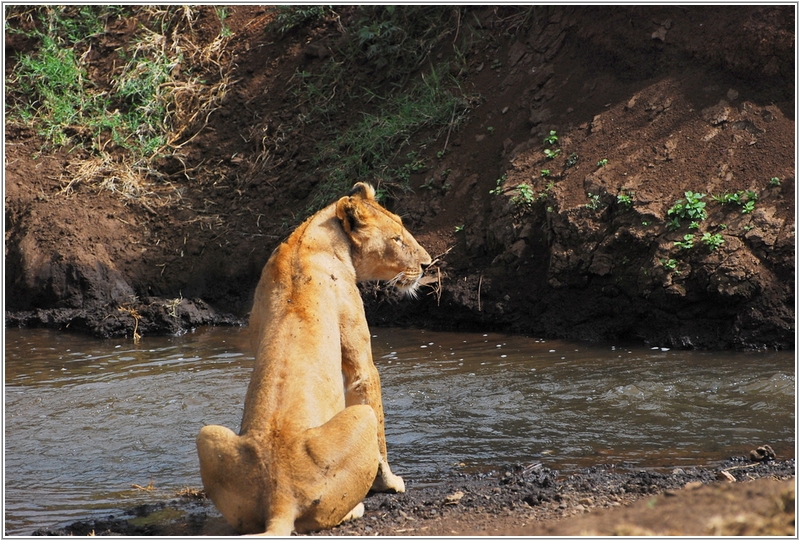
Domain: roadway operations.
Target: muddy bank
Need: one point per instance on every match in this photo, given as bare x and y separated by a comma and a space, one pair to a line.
530, 499
648, 103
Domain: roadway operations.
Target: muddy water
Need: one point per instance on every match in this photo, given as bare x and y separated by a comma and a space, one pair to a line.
87, 419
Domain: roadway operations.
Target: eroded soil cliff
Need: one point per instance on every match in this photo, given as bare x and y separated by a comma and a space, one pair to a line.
646, 102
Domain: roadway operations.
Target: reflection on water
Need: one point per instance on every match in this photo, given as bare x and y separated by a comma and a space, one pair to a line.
85, 419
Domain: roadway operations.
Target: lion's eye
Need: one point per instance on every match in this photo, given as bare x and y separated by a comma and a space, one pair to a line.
398, 240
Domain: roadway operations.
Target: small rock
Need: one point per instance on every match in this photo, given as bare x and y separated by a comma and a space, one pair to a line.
762, 454
453, 498
716, 114
660, 34
726, 476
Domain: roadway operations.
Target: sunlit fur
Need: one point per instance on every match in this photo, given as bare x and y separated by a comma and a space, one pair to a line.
312, 443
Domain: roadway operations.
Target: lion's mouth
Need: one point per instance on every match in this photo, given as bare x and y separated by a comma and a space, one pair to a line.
407, 283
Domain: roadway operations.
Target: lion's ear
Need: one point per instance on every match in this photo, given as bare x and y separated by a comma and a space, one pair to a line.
363, 190
349, 212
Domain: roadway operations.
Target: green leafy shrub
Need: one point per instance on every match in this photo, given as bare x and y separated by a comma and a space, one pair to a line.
498, 189
712, 241
624, 199
551, 138
669, 264
524, 196
690, 208
687, 243
594, 201
745, 199
288, 18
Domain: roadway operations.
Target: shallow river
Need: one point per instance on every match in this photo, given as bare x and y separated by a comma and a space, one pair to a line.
86, 419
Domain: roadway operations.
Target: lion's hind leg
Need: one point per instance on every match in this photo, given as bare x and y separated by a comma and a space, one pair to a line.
231, 477
344, 454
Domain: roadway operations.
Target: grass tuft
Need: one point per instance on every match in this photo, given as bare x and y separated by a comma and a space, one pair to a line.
146, 106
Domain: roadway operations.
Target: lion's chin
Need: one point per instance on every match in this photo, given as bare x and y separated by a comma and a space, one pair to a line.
408, 287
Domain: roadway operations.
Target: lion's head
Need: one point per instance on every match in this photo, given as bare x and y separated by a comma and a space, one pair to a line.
383, 248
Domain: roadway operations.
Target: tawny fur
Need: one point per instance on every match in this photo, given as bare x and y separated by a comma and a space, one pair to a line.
312, 439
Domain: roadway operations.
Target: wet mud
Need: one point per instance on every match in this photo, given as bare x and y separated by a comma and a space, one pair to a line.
523, 499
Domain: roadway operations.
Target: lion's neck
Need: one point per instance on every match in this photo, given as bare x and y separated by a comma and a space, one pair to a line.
320, 246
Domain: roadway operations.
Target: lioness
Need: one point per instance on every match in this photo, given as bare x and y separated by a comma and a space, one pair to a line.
312, 442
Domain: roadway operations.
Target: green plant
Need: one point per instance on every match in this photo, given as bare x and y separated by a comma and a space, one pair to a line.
572, 161
712, 241
381, 193
694, 225
691, 208
745, 199
728, 198
498, 189
139, 106
366, 148
404, 171
624, 199
750, 204
774, 181
551, 138
545, 173
603, 162
222, 14
490, 129
524, 197
459, 228
551, 153
669, 264
594, 201
288, 18
395, 41
429, 184
687, 243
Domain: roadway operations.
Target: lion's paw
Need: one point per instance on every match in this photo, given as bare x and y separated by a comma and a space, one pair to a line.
388, 482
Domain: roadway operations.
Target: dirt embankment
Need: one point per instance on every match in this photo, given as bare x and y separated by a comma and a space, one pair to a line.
646, 103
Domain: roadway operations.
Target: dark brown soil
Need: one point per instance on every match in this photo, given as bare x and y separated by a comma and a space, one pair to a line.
675, 98
530, 500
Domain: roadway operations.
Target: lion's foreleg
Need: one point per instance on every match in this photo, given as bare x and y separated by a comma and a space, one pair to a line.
364, 387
